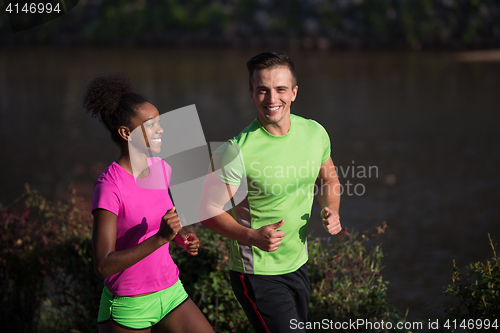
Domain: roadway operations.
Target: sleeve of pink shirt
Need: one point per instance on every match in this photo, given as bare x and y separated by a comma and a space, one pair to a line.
106, 196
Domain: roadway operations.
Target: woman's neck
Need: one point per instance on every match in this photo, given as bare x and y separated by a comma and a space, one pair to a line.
136, 165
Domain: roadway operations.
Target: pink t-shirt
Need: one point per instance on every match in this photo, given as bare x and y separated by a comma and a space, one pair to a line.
139, 207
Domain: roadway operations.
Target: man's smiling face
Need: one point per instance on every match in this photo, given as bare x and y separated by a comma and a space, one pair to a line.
272, 93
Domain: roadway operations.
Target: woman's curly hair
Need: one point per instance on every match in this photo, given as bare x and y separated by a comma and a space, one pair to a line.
110, 98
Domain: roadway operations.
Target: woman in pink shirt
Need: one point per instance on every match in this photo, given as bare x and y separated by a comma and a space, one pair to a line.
134, 221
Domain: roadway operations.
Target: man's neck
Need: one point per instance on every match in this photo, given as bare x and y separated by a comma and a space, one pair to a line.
277, 129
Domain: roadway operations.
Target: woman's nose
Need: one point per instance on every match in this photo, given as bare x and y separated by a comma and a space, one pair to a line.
159, 129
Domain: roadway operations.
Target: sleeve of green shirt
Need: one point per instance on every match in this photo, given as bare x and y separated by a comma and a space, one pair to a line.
227, 164
326, 142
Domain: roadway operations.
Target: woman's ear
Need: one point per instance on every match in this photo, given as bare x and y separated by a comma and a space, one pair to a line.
124, 133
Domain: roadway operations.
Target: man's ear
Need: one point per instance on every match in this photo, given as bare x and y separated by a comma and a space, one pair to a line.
250, 90
295, 89
124, 132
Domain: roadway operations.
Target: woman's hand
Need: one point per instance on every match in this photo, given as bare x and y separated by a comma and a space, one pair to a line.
188, 241
170, 225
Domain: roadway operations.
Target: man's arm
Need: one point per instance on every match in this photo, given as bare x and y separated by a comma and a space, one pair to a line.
329, 197
215, 195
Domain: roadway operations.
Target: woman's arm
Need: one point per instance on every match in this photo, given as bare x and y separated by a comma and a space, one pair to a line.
107, 261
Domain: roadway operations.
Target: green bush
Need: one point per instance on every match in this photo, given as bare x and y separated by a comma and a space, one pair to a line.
206, 279
47, 281
46, 271
477, 292
346, 282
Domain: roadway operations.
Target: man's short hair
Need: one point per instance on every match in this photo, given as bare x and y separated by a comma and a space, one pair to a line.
269, 60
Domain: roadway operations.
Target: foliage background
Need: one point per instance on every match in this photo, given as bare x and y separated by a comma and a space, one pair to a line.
305, 24
47, 276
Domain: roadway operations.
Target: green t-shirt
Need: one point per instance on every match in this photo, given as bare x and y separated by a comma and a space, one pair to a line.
280, 173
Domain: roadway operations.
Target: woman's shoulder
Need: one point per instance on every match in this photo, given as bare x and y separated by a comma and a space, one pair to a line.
114, 174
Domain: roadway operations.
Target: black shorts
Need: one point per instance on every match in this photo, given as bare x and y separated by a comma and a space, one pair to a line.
272, 301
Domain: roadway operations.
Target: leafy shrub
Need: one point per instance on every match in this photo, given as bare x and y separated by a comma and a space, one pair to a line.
477, 291
206, 280
346, 283
46, 269
48, 283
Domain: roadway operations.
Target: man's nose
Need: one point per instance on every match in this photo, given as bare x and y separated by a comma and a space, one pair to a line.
272, 96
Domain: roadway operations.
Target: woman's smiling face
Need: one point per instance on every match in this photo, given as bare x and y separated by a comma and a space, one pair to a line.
146, 134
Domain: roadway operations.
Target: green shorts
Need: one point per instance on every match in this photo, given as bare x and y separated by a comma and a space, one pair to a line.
140, 312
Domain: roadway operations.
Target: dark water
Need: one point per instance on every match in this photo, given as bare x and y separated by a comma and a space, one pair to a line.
425, 125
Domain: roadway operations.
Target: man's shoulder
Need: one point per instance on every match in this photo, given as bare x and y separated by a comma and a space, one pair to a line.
246, 132
305, 122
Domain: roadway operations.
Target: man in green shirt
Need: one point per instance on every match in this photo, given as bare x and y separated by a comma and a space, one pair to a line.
282, 157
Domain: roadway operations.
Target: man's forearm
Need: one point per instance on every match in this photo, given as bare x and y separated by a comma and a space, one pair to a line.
329, 194
225, 225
